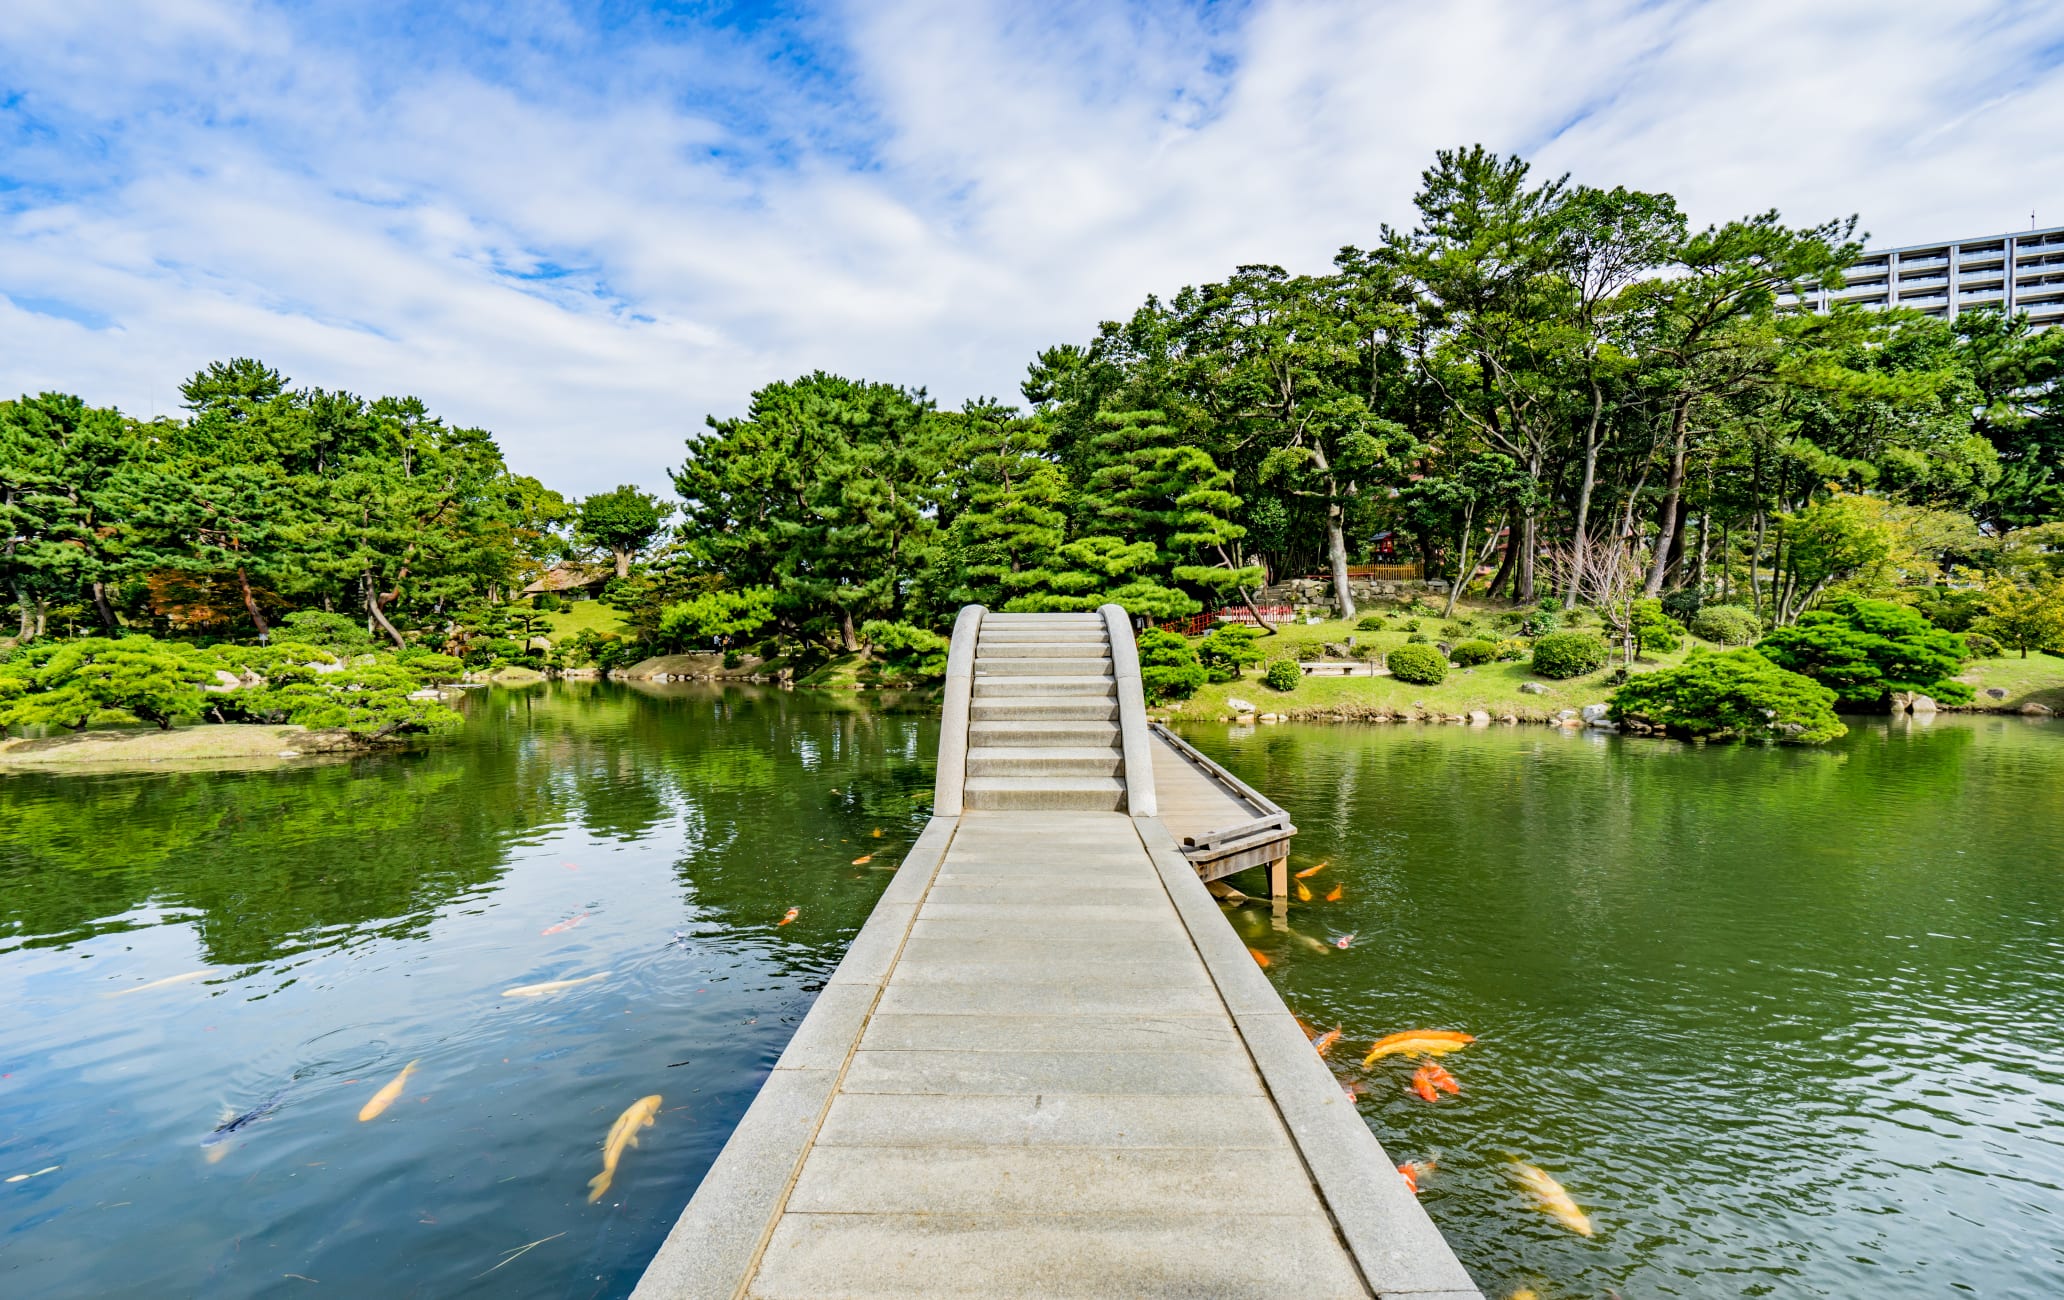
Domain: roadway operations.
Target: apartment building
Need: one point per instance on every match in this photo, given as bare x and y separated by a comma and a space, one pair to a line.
2021, 272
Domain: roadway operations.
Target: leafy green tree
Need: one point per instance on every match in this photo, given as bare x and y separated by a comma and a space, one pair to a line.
1731, 695
1655, 632
1226, 650
63, 534
2024, 618
1864, 650
714, 615
1012, 512
909, 653
1091, 572
622, 522
90, 679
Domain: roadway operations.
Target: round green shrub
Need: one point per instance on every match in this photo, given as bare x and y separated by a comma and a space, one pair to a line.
1726, 625
1654, 629
1421, 665
1370, 623
1734, 695
1468, 654
1568, 654
1226, 650
1283, 675
545, 602
1982, 646
1168, 666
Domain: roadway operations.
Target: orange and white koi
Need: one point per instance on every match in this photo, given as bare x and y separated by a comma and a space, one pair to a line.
386, 1096
1552, 1197
568, 924
1422, 1085
1441, 1078
624, 1133
1418, 1042
863, 859
790, 915
1324, 1042
1414, 1170
1345, 940
551, 986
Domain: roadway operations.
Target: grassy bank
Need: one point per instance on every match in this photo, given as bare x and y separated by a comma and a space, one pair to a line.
1494, 688
212, 745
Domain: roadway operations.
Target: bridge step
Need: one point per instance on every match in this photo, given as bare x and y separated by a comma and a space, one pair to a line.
1032, 708
989, 687
1049, 760
1035, 793
1045, 646
1034, 733
1057, 616
1049, 666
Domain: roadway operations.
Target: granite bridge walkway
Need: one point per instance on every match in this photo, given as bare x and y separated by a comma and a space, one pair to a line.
1047, 1066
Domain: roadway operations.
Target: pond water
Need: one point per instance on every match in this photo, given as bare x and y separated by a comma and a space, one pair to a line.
352, 917
1783, 1022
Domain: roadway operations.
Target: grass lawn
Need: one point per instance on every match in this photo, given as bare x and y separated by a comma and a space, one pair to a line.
581, 616
2038, 679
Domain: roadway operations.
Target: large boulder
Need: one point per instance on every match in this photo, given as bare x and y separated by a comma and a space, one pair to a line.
2034, 710
1593, 713
1238, 705
1532, 688
1921, 704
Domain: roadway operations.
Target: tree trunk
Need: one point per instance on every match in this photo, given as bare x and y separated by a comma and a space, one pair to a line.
1581, 544
1509, 563
1673, 497
1336, 549
848, 638
378, 615
27, 609
1674, 575
623, 563
250, 605
106, 612
1756, 564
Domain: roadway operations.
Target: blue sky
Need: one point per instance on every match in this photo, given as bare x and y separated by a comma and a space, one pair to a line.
587, 226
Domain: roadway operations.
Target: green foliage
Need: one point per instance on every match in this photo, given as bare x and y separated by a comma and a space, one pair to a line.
1728, 625
1683, 604
1733, 695
1371, 623
713, 614
1654, 630
910, 653
1563, 655
2024, 618
1953, 609
1283, 675
1468, 654
546, 602
1168, 666
1540, 622
1980, 646
98, 679
1512, 650
1227, 649
1865, 649
623, 522
1421, 665
338, 632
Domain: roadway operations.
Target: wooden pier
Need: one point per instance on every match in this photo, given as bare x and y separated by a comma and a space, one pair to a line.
1046, 1066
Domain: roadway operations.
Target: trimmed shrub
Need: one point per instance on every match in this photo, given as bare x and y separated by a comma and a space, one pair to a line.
340, 632
1982, 646
1654, 630
1468, 654
1421, 665
1568, 654
1683, 604
1865, 649
1370, 623
1734, 695
1728, 625
1953, 609
1283, 675
1417, 638
1226, 650
1512, 650
1168, 666
546, 603
908, 653
1542, 621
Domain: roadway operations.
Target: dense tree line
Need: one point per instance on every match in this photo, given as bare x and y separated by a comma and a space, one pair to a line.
1567, 387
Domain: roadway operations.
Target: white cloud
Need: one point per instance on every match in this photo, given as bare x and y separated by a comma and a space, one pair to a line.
586, 246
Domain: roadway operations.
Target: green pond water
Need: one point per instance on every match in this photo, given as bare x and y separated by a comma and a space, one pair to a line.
1783, 1022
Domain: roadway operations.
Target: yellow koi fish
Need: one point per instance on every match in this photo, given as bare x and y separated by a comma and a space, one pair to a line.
386, 1096
1309, 872
551, 986
1552, 1197
1303, 892
623, 1133
166, 982
1418, 1042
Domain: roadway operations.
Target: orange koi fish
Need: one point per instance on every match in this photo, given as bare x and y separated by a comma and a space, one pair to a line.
877, 832
1418, 1042
1441, 1078
1303, 892
1414, 1170
1333, 895
1351, 1090
1422, 1085
568, 924
1310, 1034
1309, 872
1260, 958
790, 915
863, 859
1324, 1042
